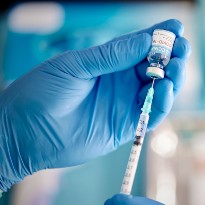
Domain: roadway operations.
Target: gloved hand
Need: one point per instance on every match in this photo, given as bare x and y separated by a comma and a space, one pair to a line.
122, 199
83, 104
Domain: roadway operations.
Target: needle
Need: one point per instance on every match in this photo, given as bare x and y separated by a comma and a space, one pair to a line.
153, 82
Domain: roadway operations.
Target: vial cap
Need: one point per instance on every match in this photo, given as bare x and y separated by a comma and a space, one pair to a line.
155, 72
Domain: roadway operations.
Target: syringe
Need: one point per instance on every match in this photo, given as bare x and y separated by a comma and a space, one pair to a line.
158, 57
129, 176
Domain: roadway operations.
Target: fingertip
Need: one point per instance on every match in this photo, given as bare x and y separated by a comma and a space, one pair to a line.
173, 25
131, 200
176, 72
182, 48
107, 202
146, 41
146, 37
120, 197
164, 97
177, 26
162, 102
140, 45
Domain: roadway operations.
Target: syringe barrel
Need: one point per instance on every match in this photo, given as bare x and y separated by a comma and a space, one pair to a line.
129, 176
141, 128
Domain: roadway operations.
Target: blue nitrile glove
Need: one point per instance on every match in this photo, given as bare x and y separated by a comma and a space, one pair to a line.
122, 199
83, 104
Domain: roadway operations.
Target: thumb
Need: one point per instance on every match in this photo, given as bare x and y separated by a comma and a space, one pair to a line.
123, 199
107, 58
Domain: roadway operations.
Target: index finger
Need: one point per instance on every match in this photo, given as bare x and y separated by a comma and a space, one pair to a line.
172, 25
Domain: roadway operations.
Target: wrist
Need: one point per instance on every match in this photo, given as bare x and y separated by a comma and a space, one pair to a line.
1, 192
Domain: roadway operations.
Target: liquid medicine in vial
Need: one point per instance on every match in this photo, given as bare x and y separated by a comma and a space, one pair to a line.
160, 52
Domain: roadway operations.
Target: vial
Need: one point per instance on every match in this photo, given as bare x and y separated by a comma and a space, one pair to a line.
160, 52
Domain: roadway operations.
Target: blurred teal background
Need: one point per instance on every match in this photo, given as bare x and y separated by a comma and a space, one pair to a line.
24, 44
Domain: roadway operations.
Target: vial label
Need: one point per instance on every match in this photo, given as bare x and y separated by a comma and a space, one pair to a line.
162, 42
